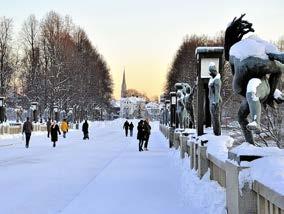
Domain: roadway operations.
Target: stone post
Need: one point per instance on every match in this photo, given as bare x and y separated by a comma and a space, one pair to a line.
183, 146
191, 145
238, 202
202, 161
171, 137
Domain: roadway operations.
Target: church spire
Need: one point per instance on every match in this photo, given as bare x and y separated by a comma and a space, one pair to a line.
123, 86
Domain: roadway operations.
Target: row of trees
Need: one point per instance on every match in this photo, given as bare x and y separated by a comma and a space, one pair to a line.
54, 63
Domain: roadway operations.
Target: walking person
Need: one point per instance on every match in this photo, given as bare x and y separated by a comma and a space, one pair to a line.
48, 125
140, 129
64, 127
147, 133
85, 129
126, 127
131, 126
54, 131
27, 129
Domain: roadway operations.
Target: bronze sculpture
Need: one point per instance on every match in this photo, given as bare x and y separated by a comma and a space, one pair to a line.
250, 67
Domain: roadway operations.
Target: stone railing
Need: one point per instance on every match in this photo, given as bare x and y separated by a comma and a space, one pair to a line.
259, 199
268, 201
16, 128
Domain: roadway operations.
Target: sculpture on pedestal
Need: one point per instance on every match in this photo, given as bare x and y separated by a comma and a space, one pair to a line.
180, 105
185, 105
215, 99
255, 75
188, 101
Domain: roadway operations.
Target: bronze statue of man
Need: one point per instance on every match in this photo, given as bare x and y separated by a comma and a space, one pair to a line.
215, 99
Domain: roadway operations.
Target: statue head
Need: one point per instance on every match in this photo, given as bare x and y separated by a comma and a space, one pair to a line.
235, 32
212, 70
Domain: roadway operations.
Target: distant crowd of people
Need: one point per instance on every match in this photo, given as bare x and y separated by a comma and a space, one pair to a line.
143, 133
53, 130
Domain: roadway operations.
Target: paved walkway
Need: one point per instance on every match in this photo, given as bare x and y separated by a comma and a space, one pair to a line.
104, 175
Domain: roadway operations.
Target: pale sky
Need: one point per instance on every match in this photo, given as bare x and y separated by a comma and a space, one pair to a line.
144, 35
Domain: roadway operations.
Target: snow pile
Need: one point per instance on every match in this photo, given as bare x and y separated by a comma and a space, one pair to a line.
268, 171
199, 193
218, 145
252, 46
278, 94
252, 86
249, 149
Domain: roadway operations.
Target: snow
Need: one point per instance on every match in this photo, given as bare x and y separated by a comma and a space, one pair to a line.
249, 149
218, 145
252, 86
106, 174
252, 46
278, 94
268, 171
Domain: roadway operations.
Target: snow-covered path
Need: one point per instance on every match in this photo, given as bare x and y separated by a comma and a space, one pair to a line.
104, 175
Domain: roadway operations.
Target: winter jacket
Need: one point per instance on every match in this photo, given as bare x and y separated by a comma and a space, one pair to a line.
27, 127
54, 131
48, 124
147, 131
140, 131
126, 125
131, 126
64, 126
85, 127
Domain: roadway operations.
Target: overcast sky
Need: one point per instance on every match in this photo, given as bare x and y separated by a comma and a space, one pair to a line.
143, 35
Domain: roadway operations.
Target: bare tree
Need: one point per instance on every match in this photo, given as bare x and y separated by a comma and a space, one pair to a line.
5, 49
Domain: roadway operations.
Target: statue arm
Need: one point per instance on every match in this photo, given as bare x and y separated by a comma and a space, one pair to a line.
278, 57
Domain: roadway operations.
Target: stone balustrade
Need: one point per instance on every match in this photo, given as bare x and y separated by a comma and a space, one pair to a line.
246, 200
17, 128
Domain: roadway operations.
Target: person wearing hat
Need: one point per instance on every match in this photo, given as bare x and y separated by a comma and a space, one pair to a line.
215, 99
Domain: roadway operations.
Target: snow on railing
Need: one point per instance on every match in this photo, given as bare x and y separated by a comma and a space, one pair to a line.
251, 187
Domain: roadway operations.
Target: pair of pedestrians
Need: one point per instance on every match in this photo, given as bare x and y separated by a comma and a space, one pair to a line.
127, 126
52, 130
143, 134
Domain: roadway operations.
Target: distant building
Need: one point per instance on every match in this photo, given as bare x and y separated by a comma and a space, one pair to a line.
132, 107
153, 110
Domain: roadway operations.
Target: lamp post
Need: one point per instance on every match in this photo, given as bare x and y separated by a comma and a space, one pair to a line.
167, 110
173, 104
56, 113
34, 108
204, 56
2, 109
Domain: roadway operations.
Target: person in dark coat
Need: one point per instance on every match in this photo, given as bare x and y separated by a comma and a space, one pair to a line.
27, 129
54, 131
126, 127
85, 129
146, 134
131, 126
140, 131
48, 124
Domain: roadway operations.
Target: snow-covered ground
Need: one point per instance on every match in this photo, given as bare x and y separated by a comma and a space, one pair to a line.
106, 174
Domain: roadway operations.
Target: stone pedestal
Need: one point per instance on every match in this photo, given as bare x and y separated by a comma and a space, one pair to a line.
176, 140
202, 161
195, 156
191, 149
183, 146
238, 202
171, 137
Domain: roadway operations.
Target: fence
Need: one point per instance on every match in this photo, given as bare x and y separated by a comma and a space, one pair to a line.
259, 199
